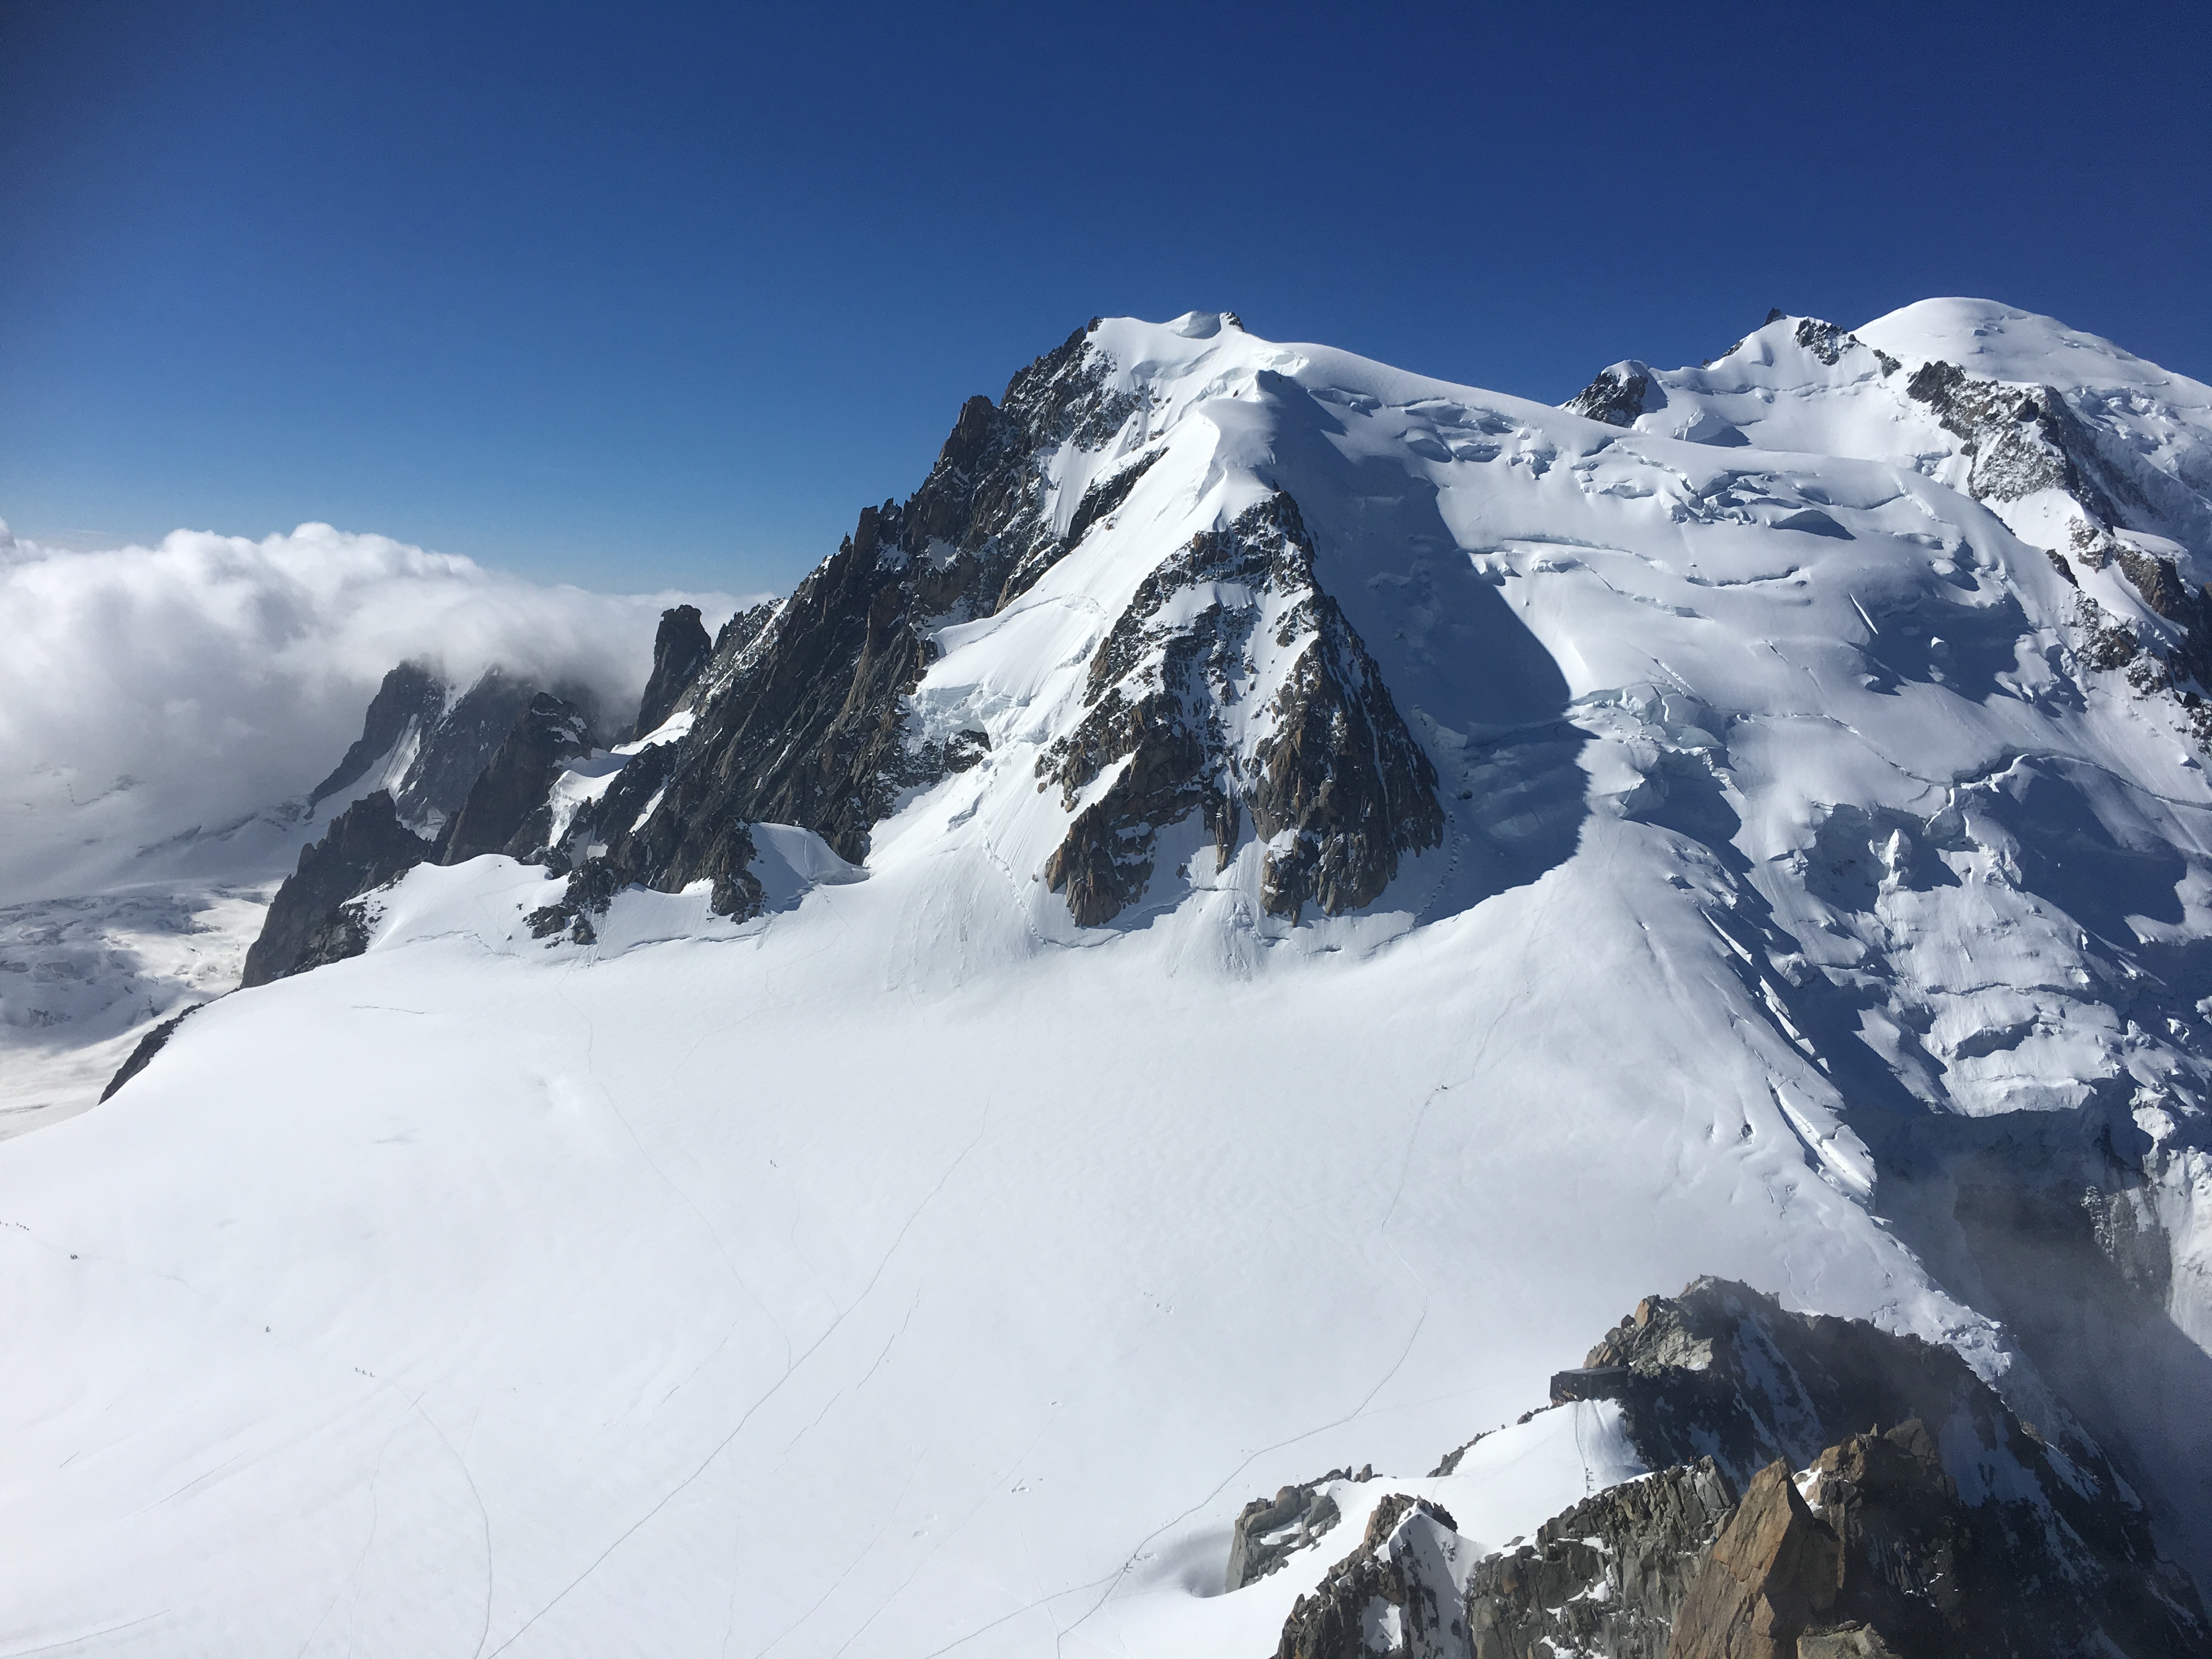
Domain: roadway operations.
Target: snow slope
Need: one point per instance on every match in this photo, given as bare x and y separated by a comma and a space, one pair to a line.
908, 1270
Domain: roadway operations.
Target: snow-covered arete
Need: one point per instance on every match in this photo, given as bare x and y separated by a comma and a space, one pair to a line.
904, 1266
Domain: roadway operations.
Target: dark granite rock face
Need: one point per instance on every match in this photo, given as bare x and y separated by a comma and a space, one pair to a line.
1398, 1584
800, 708
1615, 397
741, 628
506, 808
1331, 776
455, 749
1827, 343
410, 703
680, 650
2063, 1549
1605, 1577
343, 935
1955, 1530
149, 1046
365, 846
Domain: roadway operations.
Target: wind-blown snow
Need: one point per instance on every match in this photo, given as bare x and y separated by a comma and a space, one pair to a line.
907, 1271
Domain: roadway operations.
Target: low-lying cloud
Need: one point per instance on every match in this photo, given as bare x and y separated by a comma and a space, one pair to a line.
222, 675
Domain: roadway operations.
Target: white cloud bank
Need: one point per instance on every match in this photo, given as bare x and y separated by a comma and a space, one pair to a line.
220, 675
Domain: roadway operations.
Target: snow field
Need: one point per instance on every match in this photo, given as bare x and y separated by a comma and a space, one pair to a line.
907, 1271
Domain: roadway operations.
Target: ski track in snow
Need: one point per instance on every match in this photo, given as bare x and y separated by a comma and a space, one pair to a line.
752, 1410
748, 1364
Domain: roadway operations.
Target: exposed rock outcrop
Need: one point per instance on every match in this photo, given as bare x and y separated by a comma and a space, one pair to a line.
1268, 1529
1770, 1574
1958, 1531
1605, 1577
149, 1046
434, 746
800, 710
1232, 684
453, 749
1397, 1594
1616, 395
1827, 343
680, 650
591, 888
343, 935
2023, 439
410, 701
510, 792
365, 846
1723, 1370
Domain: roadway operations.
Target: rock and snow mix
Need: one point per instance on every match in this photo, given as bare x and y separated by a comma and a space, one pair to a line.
1213, 941
163, 712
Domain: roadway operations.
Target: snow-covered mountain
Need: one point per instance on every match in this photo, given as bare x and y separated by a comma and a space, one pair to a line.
1218, 939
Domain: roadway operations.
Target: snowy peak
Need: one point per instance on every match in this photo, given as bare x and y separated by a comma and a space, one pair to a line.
1996, 342
2102, 460
1262, 865
1752, 393
2003, 403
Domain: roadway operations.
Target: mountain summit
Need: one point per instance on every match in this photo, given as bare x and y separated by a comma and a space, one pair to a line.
1266, 898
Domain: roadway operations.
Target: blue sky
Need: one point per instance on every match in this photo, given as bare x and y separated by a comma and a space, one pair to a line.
640, 295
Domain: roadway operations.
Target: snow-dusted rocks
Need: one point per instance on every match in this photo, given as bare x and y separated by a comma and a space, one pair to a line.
407, 706
1606, 1576
507, 809
1954, 1530
798, 716
1232, 684
365, 846
1398, 1594
1714, 843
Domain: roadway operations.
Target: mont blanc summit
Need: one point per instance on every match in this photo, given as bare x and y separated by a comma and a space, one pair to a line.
1213, 947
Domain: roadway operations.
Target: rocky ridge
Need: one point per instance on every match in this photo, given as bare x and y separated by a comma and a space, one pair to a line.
366, 846
798, 718
410, 703
1231, 685
1771, 1527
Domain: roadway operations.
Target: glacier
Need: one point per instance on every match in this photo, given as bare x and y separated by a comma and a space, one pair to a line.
977, 1142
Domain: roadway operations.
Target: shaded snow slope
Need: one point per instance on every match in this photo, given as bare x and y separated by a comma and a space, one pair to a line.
908, 1267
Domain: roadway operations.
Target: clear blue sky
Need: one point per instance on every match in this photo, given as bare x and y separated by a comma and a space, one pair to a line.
635, 295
